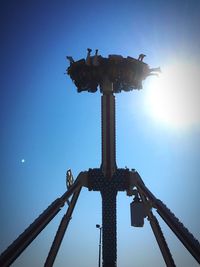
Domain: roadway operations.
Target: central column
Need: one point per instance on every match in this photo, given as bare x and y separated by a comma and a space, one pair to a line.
109, 227
108, 167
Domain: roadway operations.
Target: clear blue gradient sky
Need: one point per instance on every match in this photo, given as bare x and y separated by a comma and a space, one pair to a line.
53, 128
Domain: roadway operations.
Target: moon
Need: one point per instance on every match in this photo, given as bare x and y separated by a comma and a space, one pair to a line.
22, 161
173, 99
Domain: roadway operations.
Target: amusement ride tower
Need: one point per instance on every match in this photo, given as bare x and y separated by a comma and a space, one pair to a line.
110, 75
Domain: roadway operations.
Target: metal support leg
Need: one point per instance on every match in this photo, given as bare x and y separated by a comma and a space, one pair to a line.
158, 234
61, 230
22, 242
188, 240
183, 234
161, 241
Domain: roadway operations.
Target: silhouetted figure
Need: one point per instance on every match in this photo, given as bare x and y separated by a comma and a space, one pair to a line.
95, 58
71, 60
155, 69
141, 57
88, 58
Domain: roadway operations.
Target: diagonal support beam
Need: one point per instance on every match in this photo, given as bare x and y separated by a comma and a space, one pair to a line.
61, 230
161, 241
183, 234
158, 234
24, 240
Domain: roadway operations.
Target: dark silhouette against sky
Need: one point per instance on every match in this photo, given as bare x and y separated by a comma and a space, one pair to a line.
47, 127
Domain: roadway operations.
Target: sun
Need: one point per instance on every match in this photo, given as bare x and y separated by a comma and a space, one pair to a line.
173, 98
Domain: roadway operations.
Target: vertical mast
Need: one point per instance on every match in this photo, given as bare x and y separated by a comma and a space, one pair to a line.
108, 165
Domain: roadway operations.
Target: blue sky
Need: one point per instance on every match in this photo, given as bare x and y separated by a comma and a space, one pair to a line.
53, 128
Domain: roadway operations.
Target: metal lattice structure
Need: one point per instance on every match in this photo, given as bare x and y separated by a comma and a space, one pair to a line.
110, 75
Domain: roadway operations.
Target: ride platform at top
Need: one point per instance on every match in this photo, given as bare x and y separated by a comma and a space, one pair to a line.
125, 74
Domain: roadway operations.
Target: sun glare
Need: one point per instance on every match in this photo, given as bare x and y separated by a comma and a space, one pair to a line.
174, 97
